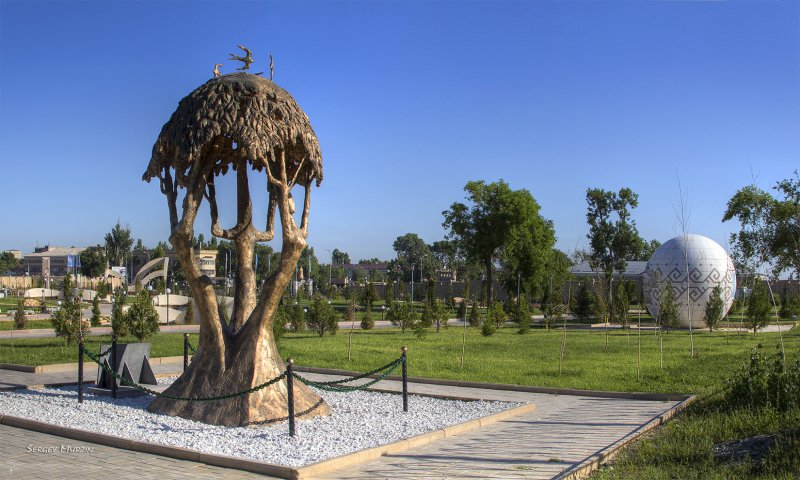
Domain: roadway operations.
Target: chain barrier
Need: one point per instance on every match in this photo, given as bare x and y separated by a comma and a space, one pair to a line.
360, 376
283, 419
191, 347
135, 385
338, 387
330, 386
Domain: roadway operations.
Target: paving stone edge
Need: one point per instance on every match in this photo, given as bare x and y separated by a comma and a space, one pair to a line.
594, 461
256, 466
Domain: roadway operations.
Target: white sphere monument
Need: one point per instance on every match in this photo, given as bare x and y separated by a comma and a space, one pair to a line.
708, 266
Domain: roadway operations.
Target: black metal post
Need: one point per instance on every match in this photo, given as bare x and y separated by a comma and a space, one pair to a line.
185, 351
113, 365
80, 370
405, 379
290, 389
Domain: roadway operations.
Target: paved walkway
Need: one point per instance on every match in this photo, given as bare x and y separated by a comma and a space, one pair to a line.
562, 432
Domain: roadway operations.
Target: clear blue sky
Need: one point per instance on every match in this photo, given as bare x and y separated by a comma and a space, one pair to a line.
410, 100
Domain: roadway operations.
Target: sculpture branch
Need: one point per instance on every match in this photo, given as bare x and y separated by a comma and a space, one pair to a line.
306, 208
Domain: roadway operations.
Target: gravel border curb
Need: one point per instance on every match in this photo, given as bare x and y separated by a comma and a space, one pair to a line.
263, 467
593, 462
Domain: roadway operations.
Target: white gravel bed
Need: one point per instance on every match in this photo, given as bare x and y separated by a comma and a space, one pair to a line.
360, 420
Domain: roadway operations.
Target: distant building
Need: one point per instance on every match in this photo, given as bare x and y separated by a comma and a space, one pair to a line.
206, 260
634, 271
17, 253
52, 261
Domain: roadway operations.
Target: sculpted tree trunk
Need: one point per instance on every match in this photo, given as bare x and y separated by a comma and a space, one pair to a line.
245, 123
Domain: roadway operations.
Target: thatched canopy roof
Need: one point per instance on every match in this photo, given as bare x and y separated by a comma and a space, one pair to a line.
234, 117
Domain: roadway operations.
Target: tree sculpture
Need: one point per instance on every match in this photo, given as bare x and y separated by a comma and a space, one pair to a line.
247, 124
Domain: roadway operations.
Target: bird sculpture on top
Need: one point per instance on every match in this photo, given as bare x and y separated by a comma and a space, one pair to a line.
216, 70
271, 67
247, 59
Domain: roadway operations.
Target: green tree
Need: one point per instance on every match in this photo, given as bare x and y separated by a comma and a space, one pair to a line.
462, 310
495, 318
118, 244
785, 311
426, 320
321, 316
613, 237
623, 295
95, 321
297, 317
668, 307
553, 313
497, 315
770, 227
368, 296
501, 226
758, 306
643, 250
367, 322
340, 258
403, 315
434, 313
20, 319
118, 324
474, 315
8, 262
522, 314
142, 317
583, 302
412, 251
714, 308
93, 262
67, 321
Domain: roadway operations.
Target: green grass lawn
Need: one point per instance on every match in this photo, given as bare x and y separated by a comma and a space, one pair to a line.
30, 324
533, 359
681, 449
506, 357
47, 351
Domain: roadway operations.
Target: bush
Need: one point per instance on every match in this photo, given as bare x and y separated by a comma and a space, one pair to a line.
321, 317
367, 322
142, 317
488, 328
762, 383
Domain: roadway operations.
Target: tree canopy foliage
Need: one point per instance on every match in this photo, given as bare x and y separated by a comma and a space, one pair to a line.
501, 226
8, 262
93, 262
118, 244
769, 232
413, 252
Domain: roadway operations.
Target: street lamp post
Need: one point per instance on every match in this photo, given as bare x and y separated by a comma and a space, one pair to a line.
168, 292
383, 310
412, 288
